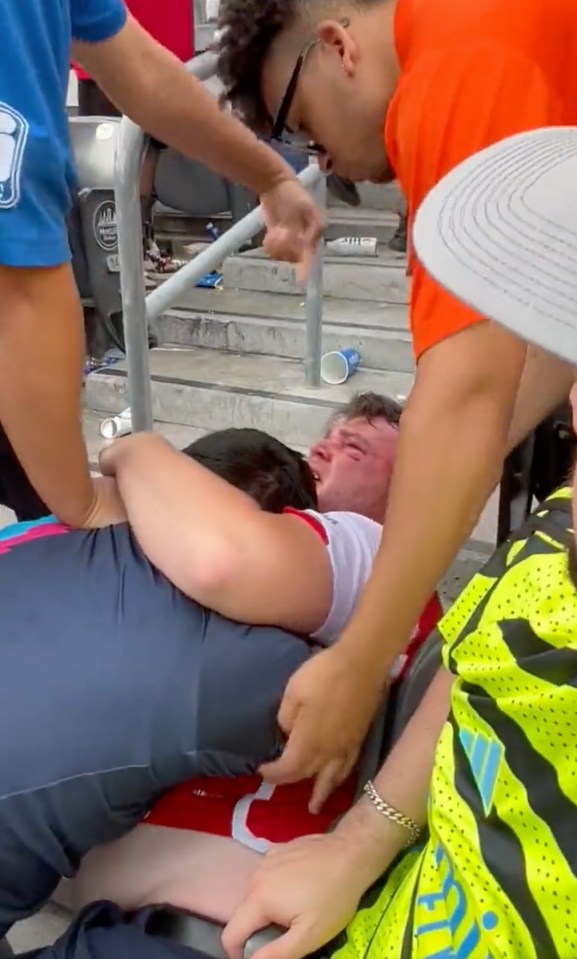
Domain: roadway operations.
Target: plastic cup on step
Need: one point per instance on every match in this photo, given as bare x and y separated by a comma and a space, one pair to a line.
115, 426
338, 365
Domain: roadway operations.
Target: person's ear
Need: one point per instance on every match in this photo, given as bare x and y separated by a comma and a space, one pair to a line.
335, 38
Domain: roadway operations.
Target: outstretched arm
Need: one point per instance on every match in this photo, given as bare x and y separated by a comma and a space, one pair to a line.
213, 541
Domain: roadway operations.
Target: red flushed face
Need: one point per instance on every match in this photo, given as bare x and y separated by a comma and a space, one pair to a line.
353, 465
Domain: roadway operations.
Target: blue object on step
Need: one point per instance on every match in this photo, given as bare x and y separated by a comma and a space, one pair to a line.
210, 281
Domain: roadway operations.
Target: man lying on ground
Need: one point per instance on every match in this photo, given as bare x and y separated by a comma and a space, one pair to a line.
134, 686
497, 873
201, 842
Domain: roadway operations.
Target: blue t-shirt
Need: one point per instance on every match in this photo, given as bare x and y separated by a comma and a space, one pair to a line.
36, 173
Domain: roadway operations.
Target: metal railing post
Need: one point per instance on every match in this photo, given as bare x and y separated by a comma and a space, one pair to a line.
129, 149
139, 310
314, 295
130, 145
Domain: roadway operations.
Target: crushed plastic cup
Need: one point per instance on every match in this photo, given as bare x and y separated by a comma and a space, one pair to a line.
338, 365
114, 426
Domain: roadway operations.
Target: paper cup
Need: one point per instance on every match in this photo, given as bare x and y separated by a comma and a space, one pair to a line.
338, 365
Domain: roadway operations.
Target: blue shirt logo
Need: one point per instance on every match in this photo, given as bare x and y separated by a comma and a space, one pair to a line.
13, 136
447, 914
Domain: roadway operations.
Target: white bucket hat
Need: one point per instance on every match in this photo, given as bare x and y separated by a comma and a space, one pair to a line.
500, 233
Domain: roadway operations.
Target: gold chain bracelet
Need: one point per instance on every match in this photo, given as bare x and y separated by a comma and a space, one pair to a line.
393, 814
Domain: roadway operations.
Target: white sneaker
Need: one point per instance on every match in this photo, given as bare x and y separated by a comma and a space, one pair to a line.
353, 246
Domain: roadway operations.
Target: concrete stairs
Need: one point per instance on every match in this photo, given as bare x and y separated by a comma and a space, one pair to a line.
264, 323
178, 229
234, 357
213, 389
379, 279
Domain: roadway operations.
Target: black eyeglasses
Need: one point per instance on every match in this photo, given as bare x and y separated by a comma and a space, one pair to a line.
279, 131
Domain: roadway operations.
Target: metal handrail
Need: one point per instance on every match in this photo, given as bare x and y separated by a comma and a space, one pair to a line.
138, 309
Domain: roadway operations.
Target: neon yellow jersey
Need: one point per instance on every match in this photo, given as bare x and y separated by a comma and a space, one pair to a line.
497, 878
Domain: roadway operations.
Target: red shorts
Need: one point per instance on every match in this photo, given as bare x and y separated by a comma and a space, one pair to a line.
247, 809
253, 812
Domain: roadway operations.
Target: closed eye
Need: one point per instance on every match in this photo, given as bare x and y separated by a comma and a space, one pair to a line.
355, 448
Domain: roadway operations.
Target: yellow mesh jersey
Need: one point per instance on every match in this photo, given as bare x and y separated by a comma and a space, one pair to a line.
497, 878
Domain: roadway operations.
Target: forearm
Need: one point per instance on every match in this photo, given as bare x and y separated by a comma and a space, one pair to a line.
450, 453
403, 782
149, 84
41, 357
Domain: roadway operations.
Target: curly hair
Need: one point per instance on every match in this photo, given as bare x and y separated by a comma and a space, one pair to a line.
247, 28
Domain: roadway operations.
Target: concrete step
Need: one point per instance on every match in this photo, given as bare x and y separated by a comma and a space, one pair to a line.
368, 314
358, 221
179, 228
382, 277
375, 196
208, 390
385, 350
236, 323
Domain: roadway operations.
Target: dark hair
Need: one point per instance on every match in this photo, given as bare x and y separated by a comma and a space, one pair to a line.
370, 406
248, 30
260, 465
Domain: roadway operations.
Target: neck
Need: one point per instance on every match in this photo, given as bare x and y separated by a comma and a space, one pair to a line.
376, 27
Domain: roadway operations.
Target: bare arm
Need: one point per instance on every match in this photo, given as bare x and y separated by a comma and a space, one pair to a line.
312, 887
451, 447
41, 359
214, 543
150, 85
456, 422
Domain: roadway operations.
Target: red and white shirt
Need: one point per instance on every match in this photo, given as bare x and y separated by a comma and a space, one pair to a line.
247, 809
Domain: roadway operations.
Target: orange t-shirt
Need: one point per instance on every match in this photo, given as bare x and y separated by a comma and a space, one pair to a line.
472, 72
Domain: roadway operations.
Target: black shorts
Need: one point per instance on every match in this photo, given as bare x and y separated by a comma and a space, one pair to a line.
16, 490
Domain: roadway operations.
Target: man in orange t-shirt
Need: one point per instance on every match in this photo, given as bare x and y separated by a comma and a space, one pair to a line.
408, 88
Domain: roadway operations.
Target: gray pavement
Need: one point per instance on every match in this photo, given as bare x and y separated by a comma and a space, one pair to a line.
41, 930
